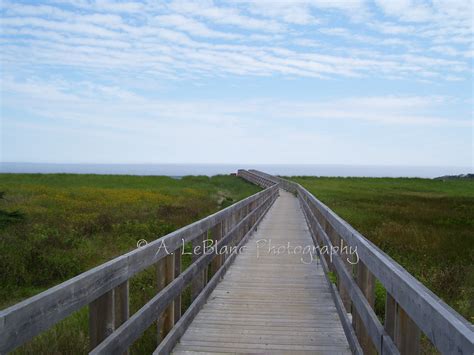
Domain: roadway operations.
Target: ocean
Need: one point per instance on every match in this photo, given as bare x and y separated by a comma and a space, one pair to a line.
178, 170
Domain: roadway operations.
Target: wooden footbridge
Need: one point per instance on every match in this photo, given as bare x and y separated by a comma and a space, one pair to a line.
284, 275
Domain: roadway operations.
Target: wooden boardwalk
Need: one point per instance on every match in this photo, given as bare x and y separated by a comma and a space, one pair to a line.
270, 303
275, 303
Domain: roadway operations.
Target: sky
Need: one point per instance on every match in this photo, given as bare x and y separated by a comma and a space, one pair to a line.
383, 82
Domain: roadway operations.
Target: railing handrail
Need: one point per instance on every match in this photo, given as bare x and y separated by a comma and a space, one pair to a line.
30, 317
447, 330
256, 179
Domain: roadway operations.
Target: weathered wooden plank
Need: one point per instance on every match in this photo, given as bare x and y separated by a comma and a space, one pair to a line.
165, 275
390, 315
366, 282
199, 281
216, 235
252, 338
101, 318
273, 328
401, 328
235, 347
407, 335
177, 272
343, 293
122, 305
334, 327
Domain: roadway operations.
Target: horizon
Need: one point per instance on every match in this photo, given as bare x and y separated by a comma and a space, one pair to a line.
234, 164
180, 169
355, 82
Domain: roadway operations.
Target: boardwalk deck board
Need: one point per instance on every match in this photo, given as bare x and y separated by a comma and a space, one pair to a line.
270, 303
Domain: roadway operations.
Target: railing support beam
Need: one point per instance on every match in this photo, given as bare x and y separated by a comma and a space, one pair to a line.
101, 318
216, 235
199, 281
165, 274
401, 328
366, 282
122, 310
177, 271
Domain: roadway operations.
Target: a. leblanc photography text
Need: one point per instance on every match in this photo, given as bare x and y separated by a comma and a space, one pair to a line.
307, 253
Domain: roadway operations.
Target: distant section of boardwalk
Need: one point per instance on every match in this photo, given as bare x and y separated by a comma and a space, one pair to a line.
271, 303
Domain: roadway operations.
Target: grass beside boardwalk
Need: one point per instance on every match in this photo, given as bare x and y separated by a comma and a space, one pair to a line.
425, 225
71, 223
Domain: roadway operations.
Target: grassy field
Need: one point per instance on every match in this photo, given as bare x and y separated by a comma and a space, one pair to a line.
71, 223
425, 225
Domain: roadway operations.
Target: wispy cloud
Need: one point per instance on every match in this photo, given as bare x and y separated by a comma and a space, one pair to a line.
183, 34
211, 67
109, 106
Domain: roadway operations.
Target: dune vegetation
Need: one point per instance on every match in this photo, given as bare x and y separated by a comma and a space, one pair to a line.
55, 226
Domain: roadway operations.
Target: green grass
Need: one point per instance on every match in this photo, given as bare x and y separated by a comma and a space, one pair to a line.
71, 223
425, 225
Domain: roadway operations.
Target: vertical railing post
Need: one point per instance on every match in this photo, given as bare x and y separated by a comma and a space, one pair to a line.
236, 217
401, 328
122, 309
343, 292
254, 216
101, 318
225, 230
238, 231
242, 230
248, 225
390, 315
331, 234
177, 271
216, 235
165, 274
198, 282
366, 282
122, 306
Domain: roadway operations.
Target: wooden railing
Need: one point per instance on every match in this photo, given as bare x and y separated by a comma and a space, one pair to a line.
262, 181
410, 307
105, 289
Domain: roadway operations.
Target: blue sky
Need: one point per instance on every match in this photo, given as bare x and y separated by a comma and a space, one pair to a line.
305, 81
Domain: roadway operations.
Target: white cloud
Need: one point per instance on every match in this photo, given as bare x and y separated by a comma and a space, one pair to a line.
82, 28
293, 12
114, 124
224, 15
407, 10
254, 38
114, 107
191, 26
